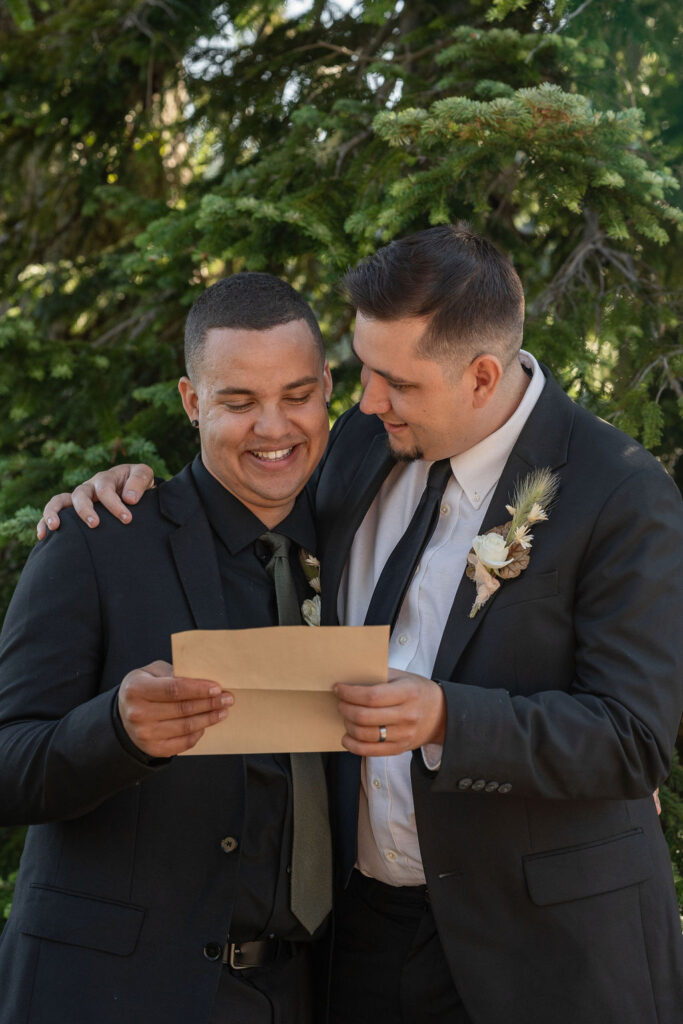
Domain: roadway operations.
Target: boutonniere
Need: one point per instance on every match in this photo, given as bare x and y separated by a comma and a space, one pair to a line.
503, 552
310, 609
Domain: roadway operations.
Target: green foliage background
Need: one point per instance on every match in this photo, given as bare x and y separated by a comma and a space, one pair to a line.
147, 148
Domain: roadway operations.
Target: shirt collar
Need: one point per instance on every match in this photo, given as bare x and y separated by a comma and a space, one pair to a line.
479, 468
237, 527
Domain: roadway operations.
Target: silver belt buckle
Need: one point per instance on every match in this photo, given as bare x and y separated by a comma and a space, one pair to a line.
235, 948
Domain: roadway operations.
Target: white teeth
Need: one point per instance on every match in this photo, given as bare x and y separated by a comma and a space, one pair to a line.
272, 456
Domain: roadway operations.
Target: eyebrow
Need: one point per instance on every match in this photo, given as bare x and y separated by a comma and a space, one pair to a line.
391, 377
302, 382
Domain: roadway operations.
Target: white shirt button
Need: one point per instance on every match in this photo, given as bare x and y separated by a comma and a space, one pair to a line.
377, 784
403, 639
476, 495
391, 855
445, 509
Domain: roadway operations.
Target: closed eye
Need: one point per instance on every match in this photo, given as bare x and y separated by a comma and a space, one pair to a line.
238, 406
299, 399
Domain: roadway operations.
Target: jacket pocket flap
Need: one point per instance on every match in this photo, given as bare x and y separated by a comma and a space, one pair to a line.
81, 920
527, 588
559, 876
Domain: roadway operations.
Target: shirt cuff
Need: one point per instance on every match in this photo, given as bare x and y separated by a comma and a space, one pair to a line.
431, 755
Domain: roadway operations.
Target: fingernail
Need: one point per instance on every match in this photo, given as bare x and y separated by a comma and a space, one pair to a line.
49, 520
91, 520
125, 516
130, 495
214, 691
226, 698
222, 714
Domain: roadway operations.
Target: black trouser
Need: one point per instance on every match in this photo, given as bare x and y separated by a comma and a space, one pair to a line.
280, 993
388, 966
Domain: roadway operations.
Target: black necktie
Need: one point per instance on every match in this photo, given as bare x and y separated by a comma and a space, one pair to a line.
311, 878
398, 571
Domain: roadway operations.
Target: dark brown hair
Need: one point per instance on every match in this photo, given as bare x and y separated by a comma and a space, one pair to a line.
469, 289
251, 301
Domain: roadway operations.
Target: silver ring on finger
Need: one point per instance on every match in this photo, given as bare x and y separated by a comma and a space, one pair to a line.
382, 734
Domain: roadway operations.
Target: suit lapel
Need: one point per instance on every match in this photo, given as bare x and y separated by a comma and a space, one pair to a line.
543, 442
359, 495
194, 551
460, 628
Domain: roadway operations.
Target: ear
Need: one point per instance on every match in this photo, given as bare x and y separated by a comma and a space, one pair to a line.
189, 398
485, 372
327, 381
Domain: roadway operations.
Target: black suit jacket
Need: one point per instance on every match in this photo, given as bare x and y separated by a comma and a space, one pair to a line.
549, 877
124, 882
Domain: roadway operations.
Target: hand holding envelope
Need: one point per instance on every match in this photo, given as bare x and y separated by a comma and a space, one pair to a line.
281, 678
164, 714
406, 712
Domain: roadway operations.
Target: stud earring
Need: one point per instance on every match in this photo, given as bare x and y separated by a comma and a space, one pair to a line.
195, 423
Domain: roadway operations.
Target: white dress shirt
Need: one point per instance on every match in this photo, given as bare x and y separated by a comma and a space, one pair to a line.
388, 847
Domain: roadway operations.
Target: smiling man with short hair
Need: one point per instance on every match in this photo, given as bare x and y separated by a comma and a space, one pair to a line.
508, 863
154, 888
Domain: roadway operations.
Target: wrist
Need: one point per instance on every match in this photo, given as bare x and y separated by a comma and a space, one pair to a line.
438, 733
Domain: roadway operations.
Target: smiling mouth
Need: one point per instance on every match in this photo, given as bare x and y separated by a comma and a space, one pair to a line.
275, 456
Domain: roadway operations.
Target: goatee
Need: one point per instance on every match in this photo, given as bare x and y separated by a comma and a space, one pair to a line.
404, 455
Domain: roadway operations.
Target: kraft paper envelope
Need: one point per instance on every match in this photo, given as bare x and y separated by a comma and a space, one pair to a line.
281, 677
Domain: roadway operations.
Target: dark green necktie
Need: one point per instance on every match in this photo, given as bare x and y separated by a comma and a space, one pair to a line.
311, 879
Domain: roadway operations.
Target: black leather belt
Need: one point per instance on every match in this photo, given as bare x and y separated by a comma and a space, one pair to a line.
260, 953
387, 897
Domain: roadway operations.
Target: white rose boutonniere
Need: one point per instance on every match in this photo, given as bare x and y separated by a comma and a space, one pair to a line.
503, 552
310, 609
491, 550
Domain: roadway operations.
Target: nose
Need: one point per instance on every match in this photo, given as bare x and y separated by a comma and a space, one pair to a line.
271, 422
375, 398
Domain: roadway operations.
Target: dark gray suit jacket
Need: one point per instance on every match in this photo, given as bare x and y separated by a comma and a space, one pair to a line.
124, 882
549, 876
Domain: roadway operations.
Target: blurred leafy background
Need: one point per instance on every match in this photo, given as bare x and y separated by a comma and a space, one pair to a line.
148, 147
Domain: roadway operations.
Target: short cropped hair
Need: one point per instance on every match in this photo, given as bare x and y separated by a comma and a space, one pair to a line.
470, 290
250, 301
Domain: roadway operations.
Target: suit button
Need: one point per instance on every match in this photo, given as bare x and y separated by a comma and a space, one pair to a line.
229, 844
213, 951
478, 785
505, 787
464, 783
490, 787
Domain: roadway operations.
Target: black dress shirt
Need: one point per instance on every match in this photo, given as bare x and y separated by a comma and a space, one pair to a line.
262, 904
